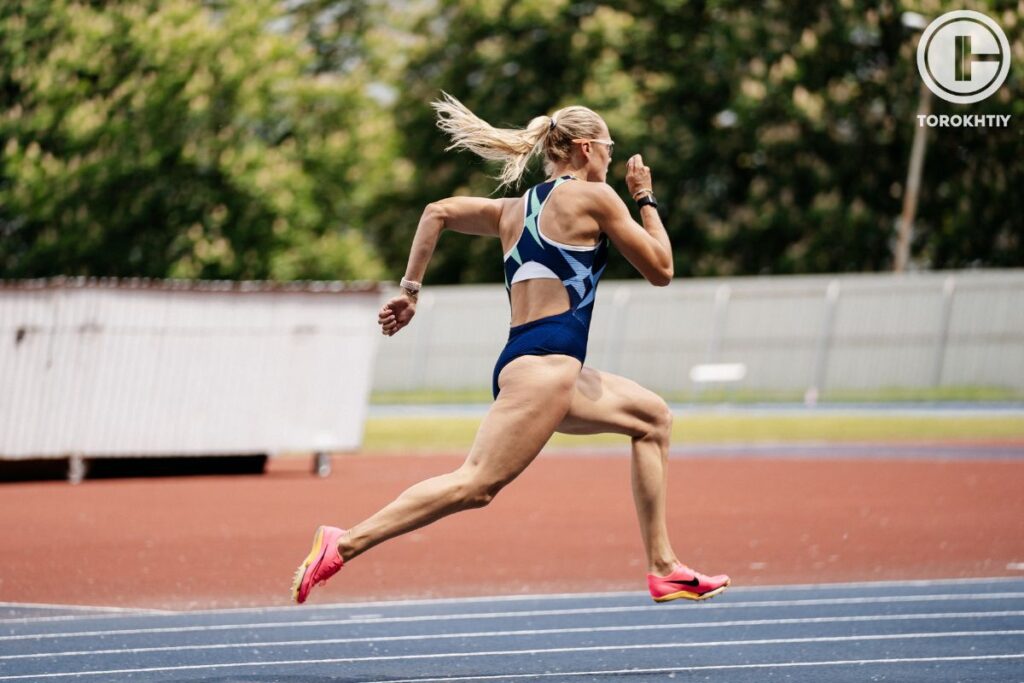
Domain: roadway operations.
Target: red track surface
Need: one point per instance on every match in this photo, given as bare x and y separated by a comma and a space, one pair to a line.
567, 525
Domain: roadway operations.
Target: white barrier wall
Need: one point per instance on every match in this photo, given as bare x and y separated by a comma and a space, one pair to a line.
106, 368
793, 333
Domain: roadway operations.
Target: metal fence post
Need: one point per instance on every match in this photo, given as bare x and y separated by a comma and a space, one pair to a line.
948, 290
617, 329
723, 294
824, 344
421, 356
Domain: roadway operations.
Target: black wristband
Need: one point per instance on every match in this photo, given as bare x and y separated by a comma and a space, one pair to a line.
647, 200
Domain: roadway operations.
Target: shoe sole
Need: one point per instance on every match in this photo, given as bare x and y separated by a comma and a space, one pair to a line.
314, 555
687, 595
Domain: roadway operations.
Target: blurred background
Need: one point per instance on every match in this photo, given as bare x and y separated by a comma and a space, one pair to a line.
293, 140
203, 203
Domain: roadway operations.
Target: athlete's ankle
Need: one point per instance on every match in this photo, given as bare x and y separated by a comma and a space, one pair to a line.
346, 548
662, 567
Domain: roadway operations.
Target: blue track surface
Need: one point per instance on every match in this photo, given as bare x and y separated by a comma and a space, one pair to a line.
906, 631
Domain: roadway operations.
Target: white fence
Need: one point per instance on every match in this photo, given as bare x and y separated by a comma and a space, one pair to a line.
106, 368
792, 334
136, 368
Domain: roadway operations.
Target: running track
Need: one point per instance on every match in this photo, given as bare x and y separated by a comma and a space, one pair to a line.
902, 631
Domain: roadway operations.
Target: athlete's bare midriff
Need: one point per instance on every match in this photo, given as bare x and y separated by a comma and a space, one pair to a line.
540, 298
533, 299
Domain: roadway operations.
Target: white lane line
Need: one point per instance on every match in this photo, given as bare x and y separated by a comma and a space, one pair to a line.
921, 583
944, 597
83, 608
530, 652
712, 667
82, 617
881, 584
531, 632
428, 602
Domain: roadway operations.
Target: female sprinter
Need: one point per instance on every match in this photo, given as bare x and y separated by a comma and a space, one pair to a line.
555, 242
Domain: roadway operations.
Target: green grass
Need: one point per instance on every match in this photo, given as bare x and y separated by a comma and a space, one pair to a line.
456, 433
738, 395
431, 397
897, 394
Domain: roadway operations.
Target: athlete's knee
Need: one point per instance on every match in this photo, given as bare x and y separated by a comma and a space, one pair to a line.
658, 419
475, 490
477, 495
663, 418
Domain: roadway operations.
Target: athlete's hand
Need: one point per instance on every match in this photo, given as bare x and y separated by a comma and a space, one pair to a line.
638, 176
396, 314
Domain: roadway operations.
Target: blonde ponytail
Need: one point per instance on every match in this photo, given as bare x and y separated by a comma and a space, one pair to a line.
515, 147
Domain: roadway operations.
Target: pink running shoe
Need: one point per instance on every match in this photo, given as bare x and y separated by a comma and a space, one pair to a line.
322, 563
686, 583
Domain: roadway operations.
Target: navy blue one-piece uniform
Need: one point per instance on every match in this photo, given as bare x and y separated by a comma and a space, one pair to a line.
578, 268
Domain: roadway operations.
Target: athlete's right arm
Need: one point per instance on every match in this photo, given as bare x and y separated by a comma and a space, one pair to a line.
646, 246
468, 215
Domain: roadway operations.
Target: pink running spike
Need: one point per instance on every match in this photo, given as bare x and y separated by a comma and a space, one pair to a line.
686, 583
322, 563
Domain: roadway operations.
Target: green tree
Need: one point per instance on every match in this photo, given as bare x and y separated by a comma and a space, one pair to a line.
171, 138
295, 139
778, 134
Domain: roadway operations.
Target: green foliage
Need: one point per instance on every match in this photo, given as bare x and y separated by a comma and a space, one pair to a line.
778, 133
167, 138
270, 139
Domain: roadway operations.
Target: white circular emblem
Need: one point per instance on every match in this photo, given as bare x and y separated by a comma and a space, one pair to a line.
963, 56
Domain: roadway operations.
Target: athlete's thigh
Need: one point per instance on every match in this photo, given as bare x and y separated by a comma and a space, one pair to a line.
535, 395
605, 403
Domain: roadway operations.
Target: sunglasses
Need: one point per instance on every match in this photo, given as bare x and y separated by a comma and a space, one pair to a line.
610, 143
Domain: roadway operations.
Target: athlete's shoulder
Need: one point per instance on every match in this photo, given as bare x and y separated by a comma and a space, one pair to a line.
602, 190
601, 197
582, 187
504, 203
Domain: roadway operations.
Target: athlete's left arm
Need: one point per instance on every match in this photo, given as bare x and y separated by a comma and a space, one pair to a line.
468, 215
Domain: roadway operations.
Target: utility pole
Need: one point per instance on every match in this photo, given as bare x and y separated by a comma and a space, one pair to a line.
905, 230
912, 190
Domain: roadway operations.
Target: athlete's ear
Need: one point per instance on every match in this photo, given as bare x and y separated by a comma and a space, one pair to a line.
584, 152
